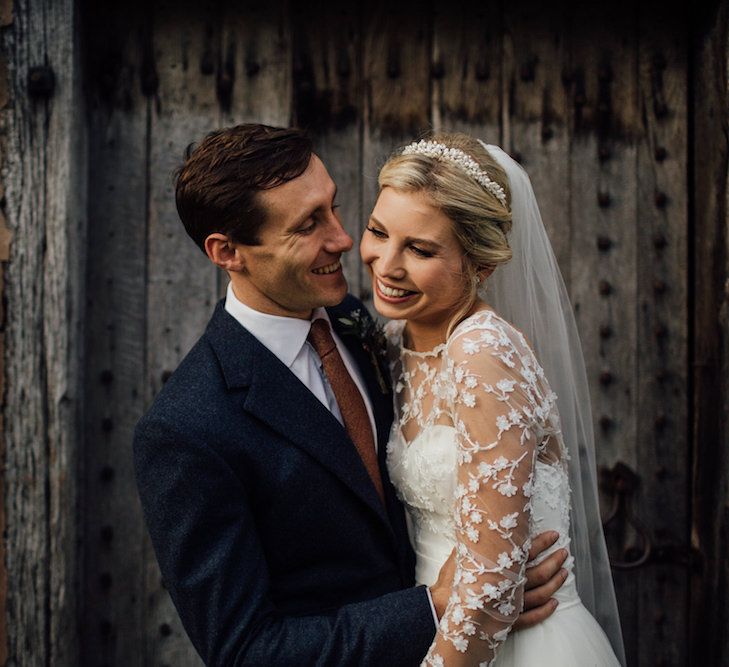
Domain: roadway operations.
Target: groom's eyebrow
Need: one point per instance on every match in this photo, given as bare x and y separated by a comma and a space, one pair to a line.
304, 217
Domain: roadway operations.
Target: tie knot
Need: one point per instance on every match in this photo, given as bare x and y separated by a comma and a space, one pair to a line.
320, 336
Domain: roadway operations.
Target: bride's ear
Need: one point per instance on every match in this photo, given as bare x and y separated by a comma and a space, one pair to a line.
484, 272
223, 252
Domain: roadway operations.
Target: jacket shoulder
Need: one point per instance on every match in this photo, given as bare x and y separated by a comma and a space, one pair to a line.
196, 381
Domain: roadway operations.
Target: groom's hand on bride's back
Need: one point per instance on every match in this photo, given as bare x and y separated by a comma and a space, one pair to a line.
543, 581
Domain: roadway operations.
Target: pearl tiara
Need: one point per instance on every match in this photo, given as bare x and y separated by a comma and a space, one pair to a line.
462, 160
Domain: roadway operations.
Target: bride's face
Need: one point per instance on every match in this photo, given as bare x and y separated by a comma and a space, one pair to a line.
414, 260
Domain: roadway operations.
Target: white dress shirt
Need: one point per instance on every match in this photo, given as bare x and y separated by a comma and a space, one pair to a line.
286, 338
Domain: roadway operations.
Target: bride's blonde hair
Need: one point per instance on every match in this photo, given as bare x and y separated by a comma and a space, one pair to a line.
480, 221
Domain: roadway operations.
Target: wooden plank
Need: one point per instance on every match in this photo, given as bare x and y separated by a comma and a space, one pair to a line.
466, 68
662, 359
44, 183
113, 582
254, 69
6, 237
25, 414
63, 313
536, 112
397, 91
709, 642
182, 285
327, 90
256, 39
605, 121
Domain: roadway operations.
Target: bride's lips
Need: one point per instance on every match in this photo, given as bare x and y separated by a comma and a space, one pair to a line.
392, 294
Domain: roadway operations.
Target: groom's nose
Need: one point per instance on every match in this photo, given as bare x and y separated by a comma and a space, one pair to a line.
337, 239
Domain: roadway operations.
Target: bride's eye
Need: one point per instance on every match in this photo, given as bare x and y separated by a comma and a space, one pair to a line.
378, 233
420, 252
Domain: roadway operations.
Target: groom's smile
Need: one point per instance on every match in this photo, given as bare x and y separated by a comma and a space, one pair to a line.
328, 269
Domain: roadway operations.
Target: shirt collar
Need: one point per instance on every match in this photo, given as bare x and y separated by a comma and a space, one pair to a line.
284, 336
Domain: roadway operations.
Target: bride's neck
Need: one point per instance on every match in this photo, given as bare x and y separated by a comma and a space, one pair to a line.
424, 336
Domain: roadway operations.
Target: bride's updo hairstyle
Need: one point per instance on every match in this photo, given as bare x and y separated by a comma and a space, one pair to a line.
481, 222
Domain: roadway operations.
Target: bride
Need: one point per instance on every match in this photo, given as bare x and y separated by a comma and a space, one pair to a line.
492, 441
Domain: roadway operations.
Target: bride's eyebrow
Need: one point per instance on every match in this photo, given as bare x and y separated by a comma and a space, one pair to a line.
412, 239
434, 245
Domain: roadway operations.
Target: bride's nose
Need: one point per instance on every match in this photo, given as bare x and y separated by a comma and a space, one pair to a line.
390, 265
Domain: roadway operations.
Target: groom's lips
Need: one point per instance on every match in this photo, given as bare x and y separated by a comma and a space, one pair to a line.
328, 269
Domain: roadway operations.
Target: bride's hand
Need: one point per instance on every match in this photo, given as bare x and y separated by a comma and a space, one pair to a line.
543, 581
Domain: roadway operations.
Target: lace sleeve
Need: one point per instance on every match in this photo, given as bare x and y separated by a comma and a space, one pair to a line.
492, 401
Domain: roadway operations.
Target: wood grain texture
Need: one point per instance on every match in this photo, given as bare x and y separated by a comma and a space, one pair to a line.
536, 112
662, 446
466, 70
5, 235
709, 643
45, 189
327, 71
605, 119
113, 528
256, 38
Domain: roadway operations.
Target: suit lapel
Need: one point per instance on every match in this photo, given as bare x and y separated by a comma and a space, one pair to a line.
277, 397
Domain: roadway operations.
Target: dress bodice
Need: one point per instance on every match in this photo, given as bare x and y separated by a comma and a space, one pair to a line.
423, 473
477, 457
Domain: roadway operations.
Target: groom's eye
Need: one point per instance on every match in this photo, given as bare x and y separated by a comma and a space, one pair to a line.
307, 229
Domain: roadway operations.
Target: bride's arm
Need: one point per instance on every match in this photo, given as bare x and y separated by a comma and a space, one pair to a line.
492, 414
542, 582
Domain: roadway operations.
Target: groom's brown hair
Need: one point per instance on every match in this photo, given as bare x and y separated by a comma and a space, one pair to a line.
221, 176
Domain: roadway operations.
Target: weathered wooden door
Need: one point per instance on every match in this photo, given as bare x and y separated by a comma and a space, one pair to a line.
594, 101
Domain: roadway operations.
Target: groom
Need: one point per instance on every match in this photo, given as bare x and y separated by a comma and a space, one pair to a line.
261, 465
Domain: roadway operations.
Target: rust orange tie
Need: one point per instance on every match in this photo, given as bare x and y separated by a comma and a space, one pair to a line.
350, 401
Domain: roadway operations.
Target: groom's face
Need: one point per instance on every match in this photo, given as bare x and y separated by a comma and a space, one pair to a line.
296, 267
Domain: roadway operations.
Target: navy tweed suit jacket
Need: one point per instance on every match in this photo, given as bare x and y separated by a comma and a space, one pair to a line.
269, 534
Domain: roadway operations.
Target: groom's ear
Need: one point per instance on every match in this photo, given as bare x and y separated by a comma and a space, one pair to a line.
223, 252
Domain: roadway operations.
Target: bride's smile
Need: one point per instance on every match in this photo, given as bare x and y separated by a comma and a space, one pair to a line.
393, 294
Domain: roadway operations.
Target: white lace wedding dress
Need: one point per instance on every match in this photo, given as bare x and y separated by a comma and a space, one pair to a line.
478, 459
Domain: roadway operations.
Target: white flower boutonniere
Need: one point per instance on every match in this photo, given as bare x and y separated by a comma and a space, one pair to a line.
372, 337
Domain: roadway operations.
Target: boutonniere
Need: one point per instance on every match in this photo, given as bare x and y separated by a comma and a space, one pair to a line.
372, 337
